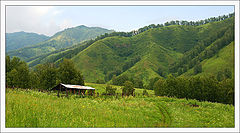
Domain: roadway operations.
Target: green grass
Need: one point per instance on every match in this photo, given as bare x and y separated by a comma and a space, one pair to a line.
37, 109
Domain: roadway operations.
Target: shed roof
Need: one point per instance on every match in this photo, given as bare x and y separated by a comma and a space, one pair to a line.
77, 87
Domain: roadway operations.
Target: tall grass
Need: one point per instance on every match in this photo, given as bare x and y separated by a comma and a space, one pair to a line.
37, 109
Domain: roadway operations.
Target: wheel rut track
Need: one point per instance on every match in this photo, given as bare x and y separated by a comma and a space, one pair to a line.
166, 119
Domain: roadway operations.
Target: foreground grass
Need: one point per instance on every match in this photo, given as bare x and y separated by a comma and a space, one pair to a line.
36, 109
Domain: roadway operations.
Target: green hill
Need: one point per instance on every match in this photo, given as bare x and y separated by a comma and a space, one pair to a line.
221, 61
63, 39
150, 53
156, 48
155, 52
22, 39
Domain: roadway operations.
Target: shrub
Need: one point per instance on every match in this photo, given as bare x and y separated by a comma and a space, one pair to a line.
110, 90
145, 93
128, 88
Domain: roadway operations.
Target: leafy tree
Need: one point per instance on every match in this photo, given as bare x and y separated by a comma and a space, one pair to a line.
120, 80
14, 63
12, 78
128, 88
78, 79
150, 85
220, 76
138, 83
198, 68
23, 75
227, 73
160, 87
34, 81
8, 64
110, 90
66, 71
17, 73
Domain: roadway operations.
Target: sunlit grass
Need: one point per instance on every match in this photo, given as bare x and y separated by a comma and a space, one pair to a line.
37, 109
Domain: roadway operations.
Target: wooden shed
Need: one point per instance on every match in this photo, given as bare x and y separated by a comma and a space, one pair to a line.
73, 89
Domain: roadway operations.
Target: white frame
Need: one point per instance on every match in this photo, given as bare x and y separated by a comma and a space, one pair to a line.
234, 3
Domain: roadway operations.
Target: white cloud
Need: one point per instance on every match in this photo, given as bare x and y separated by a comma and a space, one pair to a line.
42, 10
38, 19
56, 12
66, 24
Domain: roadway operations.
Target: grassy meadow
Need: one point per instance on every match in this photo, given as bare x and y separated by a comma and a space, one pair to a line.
36, 109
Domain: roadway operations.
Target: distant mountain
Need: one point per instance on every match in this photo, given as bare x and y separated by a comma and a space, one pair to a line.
62, 39
22, 39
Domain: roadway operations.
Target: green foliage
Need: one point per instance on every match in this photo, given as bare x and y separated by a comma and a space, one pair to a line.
66, 71
43, 76
110, 90
68, 74
219, 36
47, 75
198, 68
128, 88
146, 55
17, 73
151, 83
159, 87
120, 80
205, 88
145, 93
100, 81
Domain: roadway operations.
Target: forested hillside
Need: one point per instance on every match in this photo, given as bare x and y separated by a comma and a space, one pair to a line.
156, 52
22, 39
63, 39
179, 48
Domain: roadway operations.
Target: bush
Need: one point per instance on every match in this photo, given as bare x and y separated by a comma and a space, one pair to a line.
145, 93
110, 90
128, 89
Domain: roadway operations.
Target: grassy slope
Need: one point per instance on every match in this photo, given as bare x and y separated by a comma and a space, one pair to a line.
36, 109
157, 48
222, 60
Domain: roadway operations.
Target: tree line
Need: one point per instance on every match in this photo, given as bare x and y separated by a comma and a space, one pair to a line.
43, 76
205, 88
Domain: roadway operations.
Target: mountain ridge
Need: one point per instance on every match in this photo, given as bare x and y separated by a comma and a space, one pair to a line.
22, 39
62, 39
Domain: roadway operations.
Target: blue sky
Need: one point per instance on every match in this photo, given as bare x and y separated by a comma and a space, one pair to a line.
50, 19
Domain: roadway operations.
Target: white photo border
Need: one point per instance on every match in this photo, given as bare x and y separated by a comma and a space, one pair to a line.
122, 3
